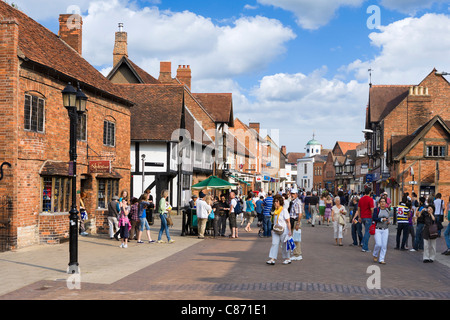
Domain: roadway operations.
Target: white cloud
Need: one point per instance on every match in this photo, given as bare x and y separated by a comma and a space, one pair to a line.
312, 14
300, 104
409, 50
248, 44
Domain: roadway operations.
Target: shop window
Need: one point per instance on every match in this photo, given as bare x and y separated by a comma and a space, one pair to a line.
56, 194
107, 188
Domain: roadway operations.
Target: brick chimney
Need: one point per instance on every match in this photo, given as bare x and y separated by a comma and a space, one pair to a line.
283, 149
184, 75
70, 30
255, 126
165, 72
120, 45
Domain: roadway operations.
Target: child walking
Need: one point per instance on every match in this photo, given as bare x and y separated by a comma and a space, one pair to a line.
297, 237
124, 223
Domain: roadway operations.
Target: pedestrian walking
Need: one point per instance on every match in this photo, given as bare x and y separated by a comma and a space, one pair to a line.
356, 225
439, 213
83, 214
133, 216
234, 210
420, 223
281, 219
223, 213
429, 241
381, 218
295, 211
338, 217
364, 216
124, 223
203, 210
113, 215
144, 204
267, 209
447, 231
306, 203
323, 198
403, 213
314, 207
250, 212
163, 208
328, 206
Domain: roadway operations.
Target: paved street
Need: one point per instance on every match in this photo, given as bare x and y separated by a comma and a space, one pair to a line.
221, 269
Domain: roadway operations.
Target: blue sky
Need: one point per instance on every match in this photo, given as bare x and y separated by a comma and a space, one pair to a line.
295, 66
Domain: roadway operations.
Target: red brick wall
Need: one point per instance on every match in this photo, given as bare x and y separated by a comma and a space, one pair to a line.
425, 168
9, 77
28, 151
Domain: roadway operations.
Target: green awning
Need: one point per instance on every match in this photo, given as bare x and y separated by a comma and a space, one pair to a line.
213, 182
240, 180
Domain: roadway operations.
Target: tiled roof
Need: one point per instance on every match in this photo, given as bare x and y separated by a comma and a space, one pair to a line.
383, 99
157, 111
293, 156
218, 105
39, 45
346, 146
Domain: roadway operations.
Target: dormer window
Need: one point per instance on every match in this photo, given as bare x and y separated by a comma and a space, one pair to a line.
435, 151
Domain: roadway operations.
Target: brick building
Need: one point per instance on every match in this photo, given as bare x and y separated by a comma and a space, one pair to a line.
409, 133
35, 66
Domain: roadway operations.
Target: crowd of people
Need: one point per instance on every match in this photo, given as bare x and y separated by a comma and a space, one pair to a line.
364, 215
279, 216
129, 218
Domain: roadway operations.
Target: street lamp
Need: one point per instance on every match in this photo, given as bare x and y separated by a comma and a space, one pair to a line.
75, 103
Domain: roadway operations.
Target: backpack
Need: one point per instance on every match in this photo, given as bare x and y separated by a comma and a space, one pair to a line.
238, 208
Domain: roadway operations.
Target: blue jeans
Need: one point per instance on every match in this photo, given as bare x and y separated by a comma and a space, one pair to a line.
366, 222
447, 236
357, 233
267, 225
307, 213
418, 242
164, 227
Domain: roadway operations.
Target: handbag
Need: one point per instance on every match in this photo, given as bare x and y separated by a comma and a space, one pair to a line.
341, 220
372, 228
211, 215
278, 229
169, 220
433, 231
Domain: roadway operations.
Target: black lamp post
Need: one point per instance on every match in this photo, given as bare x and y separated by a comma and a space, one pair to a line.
75, 103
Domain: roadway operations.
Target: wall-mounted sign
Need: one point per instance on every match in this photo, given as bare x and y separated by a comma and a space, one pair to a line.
100, 166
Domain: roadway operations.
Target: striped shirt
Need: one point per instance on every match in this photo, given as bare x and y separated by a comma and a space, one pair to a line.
267, 203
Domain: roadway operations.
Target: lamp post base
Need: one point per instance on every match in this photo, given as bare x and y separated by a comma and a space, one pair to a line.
73, 269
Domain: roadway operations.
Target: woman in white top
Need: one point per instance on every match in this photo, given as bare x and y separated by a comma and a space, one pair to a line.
381, 218
338, 211
282, 218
